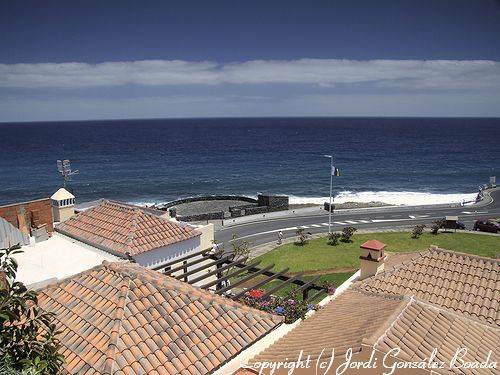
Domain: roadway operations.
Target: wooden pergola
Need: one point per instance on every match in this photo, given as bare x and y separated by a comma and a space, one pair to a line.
228, 267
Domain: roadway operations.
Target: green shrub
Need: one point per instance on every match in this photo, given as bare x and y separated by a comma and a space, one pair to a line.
437, 225
333, 238
347, 234
303, 237
28, 342
417, 231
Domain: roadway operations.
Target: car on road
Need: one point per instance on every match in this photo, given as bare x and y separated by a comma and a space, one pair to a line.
487, 225
452, 225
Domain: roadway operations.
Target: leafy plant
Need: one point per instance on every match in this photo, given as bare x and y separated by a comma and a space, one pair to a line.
28, 342
240, 248
330, 288
437, 225
302, 237
347, 234
333, 238
417, 231
292, 308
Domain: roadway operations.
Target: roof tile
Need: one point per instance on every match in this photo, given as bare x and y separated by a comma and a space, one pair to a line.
131, 336
120, 229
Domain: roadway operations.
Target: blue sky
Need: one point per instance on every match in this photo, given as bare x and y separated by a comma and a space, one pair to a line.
145, 59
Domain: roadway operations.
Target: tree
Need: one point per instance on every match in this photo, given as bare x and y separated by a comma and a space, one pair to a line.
28, 341
437, 225
347, 234
333, 238
417, 231
303, 237
241, 248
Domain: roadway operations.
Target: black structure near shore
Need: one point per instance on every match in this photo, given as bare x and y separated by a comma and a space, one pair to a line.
218, 207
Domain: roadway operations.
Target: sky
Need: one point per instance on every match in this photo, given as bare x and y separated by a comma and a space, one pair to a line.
81, 60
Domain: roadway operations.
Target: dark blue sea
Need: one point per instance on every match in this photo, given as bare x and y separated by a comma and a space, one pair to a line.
396, 160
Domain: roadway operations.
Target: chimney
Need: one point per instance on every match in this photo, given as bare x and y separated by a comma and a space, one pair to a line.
372, 258
63, 205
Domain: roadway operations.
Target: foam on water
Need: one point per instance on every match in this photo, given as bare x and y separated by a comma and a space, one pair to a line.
409, 198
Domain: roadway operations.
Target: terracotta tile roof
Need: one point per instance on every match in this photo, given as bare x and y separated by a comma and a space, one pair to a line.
373, 245
121, 228
435, 299
120, 318
463, 283
422, 328
342, 324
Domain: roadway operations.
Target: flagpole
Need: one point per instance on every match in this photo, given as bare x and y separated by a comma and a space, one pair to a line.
330, 206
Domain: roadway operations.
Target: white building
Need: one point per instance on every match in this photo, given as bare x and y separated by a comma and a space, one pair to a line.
135, 233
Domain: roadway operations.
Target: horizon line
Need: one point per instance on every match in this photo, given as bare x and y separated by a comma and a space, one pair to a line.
246, 117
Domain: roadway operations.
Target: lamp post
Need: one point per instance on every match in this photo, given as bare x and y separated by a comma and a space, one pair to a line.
331, 186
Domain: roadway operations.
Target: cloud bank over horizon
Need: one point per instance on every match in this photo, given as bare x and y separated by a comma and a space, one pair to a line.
309, 87
413, 74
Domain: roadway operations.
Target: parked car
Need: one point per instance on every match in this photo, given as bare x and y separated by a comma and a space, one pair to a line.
487, 225
452, 225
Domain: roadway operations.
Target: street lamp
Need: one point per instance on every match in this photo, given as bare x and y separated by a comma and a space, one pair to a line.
331, 186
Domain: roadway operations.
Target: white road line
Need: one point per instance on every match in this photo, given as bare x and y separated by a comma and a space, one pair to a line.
316, 225
340, 222
351, 221
365, 221
267, 232
475, 212
324, 224
411, 216
387, 220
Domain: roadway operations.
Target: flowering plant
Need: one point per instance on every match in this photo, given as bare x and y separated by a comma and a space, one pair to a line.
291, 308
255, 293
330, 288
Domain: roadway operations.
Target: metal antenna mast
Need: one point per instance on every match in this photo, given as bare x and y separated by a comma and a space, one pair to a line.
64, 168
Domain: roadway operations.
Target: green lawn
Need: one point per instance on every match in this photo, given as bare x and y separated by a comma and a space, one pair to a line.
318, 255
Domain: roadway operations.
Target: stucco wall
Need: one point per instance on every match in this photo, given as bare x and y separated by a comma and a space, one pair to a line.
207, 235
155, 258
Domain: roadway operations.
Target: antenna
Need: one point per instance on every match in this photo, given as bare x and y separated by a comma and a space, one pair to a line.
64, 168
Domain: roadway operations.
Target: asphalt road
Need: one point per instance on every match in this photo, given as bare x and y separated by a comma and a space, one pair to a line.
264, 230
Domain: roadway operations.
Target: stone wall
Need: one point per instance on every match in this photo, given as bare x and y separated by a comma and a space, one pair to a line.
274, 202
208, 198
264, 203
29, 214
202, 217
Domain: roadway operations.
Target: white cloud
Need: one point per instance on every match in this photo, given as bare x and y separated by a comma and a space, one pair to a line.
403, 74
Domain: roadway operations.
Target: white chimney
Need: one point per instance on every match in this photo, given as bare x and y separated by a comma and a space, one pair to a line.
372, 258
63, 205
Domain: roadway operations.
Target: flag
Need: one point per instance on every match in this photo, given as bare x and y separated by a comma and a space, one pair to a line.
335, 171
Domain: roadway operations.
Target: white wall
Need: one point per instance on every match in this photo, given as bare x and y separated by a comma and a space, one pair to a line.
157, 257
207, 235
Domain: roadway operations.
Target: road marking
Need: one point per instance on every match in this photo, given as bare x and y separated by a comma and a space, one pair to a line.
325, 224
351, 221
365, 221
411, 216
475, 212
316, 225
387, 220
340, 222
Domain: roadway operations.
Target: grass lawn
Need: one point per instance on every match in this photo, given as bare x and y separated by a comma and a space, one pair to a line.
336, 264
318, 255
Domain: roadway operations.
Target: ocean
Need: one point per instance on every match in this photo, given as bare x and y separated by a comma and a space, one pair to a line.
394, 160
